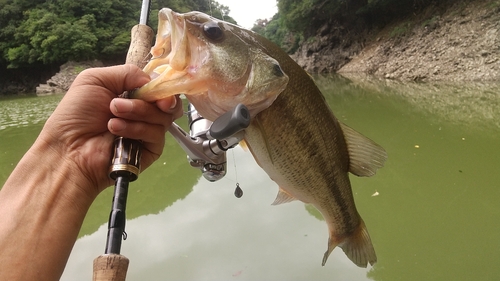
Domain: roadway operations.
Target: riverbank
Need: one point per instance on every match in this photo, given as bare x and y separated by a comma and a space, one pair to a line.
443, 42
458, 42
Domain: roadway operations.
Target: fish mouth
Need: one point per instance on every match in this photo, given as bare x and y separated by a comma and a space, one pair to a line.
212, 63
171, 67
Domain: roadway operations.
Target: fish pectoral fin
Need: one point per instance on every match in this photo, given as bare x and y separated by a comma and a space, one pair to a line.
365, 156
264, 137
283, 197
358, 247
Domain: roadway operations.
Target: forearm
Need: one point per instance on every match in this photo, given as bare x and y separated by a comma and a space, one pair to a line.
41, 211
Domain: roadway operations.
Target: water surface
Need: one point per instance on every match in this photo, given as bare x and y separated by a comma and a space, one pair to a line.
432, 211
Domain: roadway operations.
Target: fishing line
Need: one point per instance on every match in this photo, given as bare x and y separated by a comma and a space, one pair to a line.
238, 192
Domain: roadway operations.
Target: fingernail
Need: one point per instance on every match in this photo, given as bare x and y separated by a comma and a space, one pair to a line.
117, 125
174, 103
122, 105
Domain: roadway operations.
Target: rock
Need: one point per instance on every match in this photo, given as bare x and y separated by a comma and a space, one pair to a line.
454, 43
467, 51
45, 90
60, 83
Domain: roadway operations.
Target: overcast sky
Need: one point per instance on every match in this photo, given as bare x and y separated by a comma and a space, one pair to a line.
247, 12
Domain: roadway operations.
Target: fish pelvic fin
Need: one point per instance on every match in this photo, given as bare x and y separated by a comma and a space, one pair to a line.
244, 145
365, 156
283, 197
358, 247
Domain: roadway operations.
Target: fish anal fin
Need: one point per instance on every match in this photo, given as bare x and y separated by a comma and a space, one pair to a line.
358, 247
283, 197
332, 243
365, 156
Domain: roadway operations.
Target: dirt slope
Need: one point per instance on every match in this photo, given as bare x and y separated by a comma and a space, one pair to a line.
463, 43
457, 43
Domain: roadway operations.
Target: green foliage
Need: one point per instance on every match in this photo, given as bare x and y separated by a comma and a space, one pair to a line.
55, 31
383, 11
78, 69
299, 19
430, 21
306, 16
401, 30
297, 13
494, 4
275, 31
47, 38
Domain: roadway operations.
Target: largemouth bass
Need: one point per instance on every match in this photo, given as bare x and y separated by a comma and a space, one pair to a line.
293, 135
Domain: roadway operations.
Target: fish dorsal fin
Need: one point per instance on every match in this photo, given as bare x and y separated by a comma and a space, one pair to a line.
283, 197
365, 156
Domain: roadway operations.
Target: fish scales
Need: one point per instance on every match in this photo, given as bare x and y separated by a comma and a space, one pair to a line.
313, 157
301, 116
293, 135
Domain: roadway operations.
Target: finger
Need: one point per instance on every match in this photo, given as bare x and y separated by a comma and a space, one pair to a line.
172, 106
151, 133
138, 110
153, 137
117, 78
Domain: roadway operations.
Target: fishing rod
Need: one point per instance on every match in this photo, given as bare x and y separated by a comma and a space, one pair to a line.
125, 167
205, 146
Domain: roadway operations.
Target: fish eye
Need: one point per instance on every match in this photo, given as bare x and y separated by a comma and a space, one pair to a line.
213, 31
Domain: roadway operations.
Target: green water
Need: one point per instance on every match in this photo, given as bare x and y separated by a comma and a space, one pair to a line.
432, 211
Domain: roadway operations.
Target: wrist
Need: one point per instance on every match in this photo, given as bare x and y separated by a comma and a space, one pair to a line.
42, 207
57, 172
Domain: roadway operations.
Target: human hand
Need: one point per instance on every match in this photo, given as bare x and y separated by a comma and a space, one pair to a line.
81, 130
48, 193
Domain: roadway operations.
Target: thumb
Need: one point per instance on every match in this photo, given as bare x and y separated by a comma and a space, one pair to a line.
118, 78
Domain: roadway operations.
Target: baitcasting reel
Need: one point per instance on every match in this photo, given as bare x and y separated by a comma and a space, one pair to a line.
207, 142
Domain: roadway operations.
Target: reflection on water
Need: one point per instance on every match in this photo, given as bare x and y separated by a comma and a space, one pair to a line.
21, 119
22, 112
438, 193
212, 235
434, 216
471, 103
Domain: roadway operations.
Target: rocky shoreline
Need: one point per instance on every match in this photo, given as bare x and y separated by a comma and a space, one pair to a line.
456, 43
61, 81
460, 42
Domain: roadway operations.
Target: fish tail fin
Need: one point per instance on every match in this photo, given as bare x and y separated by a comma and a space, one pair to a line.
358, 247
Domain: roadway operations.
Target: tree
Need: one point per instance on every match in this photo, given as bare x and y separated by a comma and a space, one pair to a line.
55, 31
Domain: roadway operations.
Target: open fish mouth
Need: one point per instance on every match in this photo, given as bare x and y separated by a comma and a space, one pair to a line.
166, 51
171, 61
294, 136
212, 63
